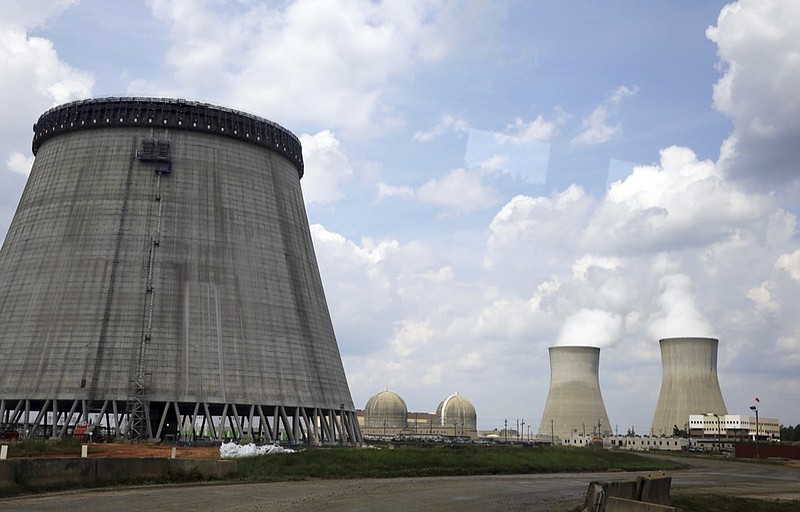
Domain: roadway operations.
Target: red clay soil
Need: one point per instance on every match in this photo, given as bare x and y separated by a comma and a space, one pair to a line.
152, 450
106, 450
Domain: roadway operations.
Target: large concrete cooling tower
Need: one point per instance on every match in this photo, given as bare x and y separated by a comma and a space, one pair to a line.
159, 278
574, 402
689, 383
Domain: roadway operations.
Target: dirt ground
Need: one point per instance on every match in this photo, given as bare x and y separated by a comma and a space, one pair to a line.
111, 450
101, 450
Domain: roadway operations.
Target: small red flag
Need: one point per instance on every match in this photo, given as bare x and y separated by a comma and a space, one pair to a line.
757, 400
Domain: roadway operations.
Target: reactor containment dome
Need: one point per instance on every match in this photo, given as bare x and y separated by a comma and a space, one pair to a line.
458, 412
386, 409
159, 279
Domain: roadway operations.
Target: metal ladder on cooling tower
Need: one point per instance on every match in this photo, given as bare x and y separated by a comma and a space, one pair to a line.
138, 400
101, 342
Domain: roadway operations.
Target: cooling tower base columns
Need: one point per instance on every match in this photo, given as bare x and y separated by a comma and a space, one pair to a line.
182, 421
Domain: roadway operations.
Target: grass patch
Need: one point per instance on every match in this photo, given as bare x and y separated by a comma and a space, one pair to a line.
412, 461
714, 503
38, 447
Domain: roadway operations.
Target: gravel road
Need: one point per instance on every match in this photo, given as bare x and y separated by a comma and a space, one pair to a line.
548, 493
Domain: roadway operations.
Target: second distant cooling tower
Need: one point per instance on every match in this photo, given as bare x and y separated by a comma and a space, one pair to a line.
689, 383
574, 402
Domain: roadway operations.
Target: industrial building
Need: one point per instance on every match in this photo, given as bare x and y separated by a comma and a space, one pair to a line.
574, 401
689, 383
640, 444
158, 279
733, 427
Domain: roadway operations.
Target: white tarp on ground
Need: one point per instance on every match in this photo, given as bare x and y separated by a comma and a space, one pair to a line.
233, 450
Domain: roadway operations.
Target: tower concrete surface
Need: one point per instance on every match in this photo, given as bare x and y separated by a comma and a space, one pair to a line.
689, 383
574, 402
159, 279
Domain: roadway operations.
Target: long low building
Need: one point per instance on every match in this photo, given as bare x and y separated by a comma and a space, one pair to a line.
646, 443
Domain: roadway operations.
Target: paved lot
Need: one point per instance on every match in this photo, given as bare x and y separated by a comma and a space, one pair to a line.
464, 494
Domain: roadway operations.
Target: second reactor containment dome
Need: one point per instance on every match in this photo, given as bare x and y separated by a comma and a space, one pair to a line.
457, 411
159, 274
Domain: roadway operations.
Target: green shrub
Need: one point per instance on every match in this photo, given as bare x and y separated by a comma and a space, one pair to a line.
439, 460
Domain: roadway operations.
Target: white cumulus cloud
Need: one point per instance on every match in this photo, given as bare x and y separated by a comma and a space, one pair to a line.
33, 70
448, 124
596, 127
330, 63
790, 263
758, 45
460, 191
327, 169
20, 163
680, 202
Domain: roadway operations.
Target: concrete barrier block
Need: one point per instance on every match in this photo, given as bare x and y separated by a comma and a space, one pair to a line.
7, 470
655, 489
205, 467
71, 472
598, 491
594, 497
628, 489
614, 504
50, 472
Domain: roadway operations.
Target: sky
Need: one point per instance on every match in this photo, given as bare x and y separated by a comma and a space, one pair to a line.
487, 179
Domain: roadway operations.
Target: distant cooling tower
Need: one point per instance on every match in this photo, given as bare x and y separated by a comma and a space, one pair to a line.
574, 402
159, 277
689, 383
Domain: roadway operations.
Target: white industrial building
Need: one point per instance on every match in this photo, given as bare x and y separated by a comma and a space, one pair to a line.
733, 427
673, 444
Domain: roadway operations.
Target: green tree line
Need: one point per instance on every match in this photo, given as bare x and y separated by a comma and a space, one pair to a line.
790, 433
